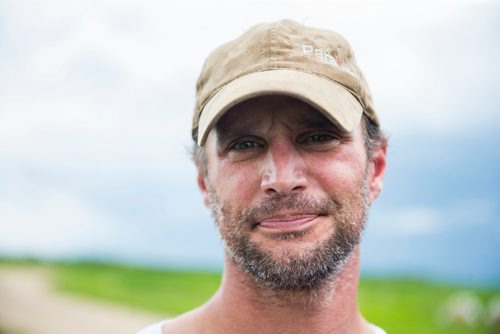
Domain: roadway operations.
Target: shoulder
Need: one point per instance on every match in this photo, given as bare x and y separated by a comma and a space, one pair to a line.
153, 329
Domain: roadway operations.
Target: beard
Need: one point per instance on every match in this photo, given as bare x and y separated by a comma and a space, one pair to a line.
309, 268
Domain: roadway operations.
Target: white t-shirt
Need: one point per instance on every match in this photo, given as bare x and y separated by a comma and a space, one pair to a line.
377, 330
156, 329
153, 329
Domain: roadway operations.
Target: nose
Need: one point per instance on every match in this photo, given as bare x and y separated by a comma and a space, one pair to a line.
283, 170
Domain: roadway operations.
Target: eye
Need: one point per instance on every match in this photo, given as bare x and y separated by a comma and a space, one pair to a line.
317, 138
244, 148
245, 144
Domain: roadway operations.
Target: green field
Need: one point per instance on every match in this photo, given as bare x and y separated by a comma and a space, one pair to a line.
398, 305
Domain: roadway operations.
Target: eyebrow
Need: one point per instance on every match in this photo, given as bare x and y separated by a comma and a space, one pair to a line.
325, 124
224, 134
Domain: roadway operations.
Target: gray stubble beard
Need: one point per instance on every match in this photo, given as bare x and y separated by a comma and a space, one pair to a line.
308, 270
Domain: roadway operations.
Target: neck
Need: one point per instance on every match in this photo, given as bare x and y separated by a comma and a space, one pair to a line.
331, 308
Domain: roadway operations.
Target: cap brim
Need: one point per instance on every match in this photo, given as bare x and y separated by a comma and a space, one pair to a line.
329, 97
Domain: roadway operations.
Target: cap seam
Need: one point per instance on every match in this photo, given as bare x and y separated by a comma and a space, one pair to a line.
271, 46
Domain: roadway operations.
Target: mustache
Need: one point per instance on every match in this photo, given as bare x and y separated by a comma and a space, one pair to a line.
322, 206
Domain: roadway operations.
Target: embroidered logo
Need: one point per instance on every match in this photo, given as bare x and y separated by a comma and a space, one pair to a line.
320, 54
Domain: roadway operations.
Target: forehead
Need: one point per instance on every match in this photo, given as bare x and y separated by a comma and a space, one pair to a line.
265, 110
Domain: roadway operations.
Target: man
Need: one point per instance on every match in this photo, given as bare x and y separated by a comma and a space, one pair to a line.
290, 156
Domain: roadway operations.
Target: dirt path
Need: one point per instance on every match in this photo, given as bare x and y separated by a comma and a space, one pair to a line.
28, 305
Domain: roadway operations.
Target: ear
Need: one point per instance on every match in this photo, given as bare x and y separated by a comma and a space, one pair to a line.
203, 185
377, 171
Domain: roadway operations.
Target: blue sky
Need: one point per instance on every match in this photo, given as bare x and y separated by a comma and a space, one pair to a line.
95, 109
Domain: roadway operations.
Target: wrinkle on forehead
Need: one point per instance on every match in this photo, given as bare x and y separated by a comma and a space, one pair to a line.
253, 114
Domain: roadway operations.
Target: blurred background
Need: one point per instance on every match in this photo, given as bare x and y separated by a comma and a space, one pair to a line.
96, 99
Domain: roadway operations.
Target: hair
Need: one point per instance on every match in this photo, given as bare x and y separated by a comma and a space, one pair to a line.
373, 136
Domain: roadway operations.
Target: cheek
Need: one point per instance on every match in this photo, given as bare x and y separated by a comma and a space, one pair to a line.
235, 185
339, 174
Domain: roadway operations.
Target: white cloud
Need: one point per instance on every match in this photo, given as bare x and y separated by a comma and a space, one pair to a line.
52, 224
88, 136
426, 72
134, 56
412, 221
84, 92
429, 220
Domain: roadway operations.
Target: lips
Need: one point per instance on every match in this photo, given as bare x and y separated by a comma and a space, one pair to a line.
288, 222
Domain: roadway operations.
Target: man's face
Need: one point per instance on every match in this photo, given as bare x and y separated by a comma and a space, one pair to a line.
288, 190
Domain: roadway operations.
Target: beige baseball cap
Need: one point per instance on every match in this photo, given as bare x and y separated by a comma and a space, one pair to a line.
283, 58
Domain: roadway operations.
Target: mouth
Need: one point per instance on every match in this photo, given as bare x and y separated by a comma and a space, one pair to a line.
288, 223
